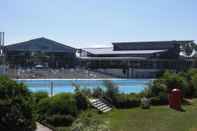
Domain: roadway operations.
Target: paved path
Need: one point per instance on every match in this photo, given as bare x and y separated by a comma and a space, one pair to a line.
42, 128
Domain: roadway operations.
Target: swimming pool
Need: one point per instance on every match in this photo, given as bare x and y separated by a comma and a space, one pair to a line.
65, 85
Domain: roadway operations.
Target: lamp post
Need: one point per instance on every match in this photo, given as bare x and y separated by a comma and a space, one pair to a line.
51, 87
2, 55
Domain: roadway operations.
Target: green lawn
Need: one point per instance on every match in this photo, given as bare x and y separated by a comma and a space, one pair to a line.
157, 118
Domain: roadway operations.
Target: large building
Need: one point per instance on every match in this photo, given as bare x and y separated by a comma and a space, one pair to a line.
123, 59
140, 59
40, 52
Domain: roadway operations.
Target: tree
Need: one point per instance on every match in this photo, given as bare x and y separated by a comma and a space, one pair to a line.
37, 96
111, 91
81, 101
15, 107
194, 83
63, 104
173, 80
59, 110
97, 92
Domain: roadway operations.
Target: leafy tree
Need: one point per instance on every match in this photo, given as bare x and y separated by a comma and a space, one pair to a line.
190, 76
80, 96
111, 90
86, 91
97, 92
15, 107
173, 80
44, 108
158, 90
59, 110
37, 96
156, 87
81, 101
64, 104
76, 86
194, 83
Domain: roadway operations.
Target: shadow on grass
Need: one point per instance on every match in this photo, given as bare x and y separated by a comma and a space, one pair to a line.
180, 110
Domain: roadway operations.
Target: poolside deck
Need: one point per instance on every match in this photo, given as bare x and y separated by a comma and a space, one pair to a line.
56, 74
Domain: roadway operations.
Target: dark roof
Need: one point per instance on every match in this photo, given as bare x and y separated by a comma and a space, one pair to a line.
149, 45
41, 44
113, 58
156, 42
110, 51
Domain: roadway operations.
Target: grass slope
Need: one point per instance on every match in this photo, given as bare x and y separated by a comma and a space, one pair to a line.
159, 118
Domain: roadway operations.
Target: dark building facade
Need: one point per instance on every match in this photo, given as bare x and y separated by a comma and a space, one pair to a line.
141, 59
126, 59
40, 51
169, 49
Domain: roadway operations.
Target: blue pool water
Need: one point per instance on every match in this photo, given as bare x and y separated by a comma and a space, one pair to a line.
62, 85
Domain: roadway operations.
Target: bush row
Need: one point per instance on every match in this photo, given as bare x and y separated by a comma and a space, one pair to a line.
126, 101
61, 109
158, 90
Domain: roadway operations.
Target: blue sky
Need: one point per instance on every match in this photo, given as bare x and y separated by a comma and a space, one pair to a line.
94, 23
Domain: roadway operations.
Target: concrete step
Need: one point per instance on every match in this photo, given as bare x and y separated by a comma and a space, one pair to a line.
109, 109
100, 105
105, 108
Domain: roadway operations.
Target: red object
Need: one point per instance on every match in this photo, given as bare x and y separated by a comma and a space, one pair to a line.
174, 99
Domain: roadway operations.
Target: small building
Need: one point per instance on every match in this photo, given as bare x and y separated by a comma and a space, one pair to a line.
40, 51
140, 59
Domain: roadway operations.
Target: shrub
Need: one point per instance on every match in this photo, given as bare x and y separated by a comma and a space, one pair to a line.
15, 107
89, 121
194, 85
97, 92
155, 101
159, 100
39, 96
43, 108
81, 101
126, 101
36, 98
163, 98
59, 110
160, 88
155, 88
190, 76
190, 73
173, 80
60, 120
86, 91
64, 104
111, 90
